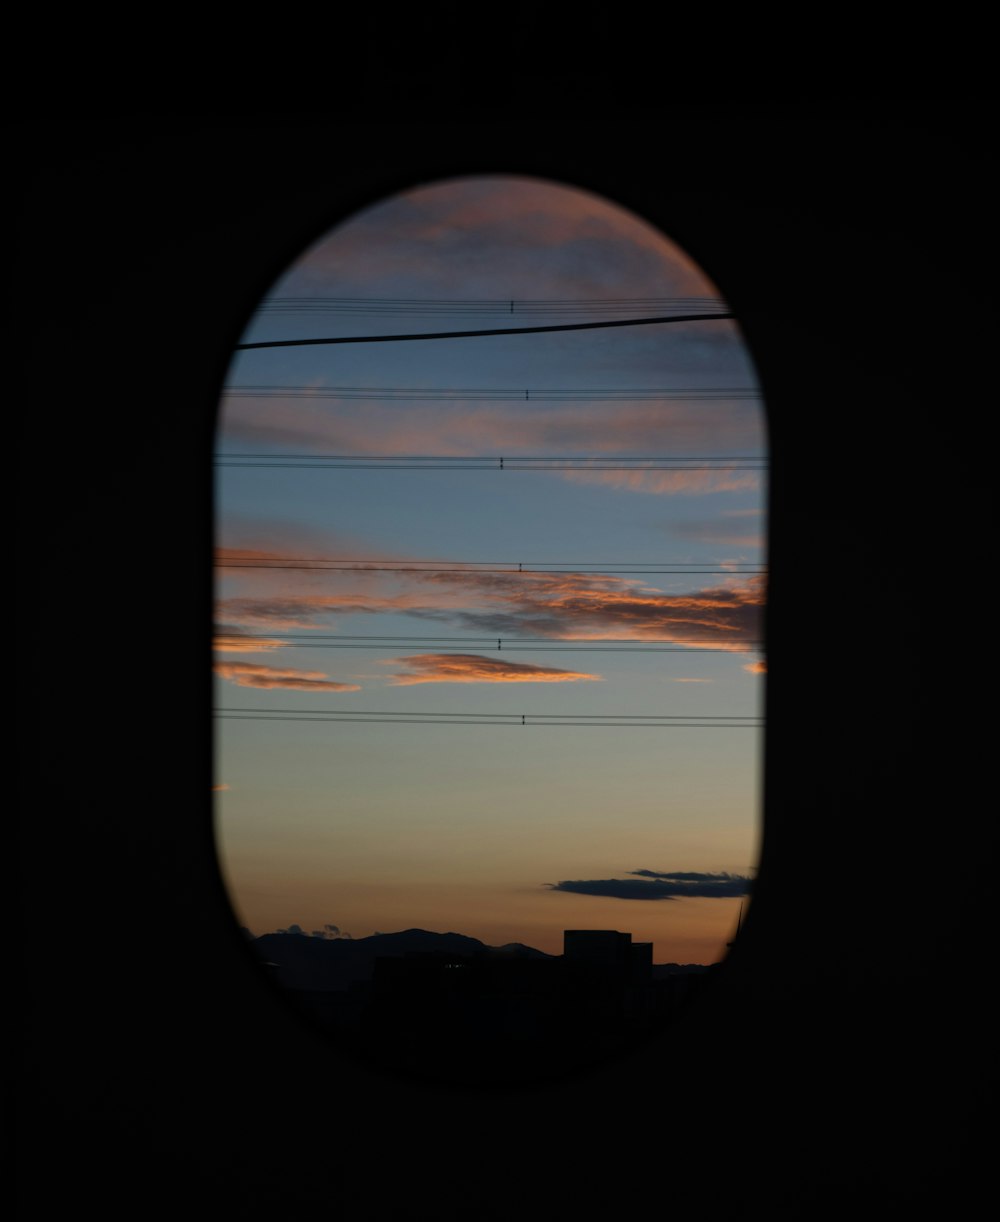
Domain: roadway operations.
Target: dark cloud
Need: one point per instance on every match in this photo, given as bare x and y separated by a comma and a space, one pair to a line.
689, 876
328, 933
331, 933
660, 885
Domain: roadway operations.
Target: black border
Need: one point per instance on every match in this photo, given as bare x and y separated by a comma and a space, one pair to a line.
844, 1056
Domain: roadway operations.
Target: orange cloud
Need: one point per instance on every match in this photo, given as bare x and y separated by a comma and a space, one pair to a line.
756, 668
670, 483
472, 668
234, 641
581, 606
560, 606
247, 675
219, 788
307, 610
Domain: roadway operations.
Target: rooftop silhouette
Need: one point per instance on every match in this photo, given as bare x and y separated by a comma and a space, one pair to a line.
451, 1007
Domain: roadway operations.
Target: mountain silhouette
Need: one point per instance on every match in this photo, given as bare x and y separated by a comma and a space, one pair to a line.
518, 950
303, 962
300, 961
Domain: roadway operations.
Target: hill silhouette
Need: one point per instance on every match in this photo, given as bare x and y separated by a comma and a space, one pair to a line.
303, 962
300, 961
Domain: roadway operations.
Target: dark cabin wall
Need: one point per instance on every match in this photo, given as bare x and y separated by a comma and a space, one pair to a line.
843, 1052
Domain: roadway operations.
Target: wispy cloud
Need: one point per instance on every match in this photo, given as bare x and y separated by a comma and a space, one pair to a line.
312, 610
245, 674
561, 606
733, 528
470, 429
660, 885
582, 606
234, 640
443, 239
473, 668
671, 483
460, 427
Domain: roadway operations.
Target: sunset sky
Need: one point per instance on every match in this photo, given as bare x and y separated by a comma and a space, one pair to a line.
368, 567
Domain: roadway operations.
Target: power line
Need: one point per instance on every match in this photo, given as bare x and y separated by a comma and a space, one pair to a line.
573, 326
496, 394
540, 717
740, 647
525, 458
597, 720
460, 305
441, 462
462, 644
527, 722
528, 570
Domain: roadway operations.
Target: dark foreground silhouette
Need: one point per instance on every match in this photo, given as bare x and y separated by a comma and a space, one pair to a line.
450, 1008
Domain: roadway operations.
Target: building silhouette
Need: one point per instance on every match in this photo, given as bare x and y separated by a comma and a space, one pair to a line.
470, 1011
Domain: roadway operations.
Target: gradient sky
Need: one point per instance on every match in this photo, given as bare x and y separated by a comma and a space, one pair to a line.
502, 832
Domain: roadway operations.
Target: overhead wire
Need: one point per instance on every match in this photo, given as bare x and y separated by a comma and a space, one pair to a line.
694, 309
490, 306
594, 720
471, 334
587, 569
440, 462
460, 646
547, 394
451, 643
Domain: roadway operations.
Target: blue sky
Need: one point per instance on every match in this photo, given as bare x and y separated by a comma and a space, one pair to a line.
471, 827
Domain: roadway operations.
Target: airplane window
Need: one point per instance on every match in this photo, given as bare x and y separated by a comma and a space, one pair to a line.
490, 574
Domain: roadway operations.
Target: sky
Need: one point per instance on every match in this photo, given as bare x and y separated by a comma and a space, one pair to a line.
488, 610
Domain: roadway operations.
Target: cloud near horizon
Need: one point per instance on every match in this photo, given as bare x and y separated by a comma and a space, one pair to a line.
245, 674
329, 933
473, 668
660, 885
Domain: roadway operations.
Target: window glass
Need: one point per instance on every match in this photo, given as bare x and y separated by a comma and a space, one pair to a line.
488, 655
